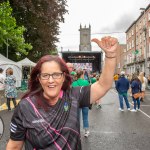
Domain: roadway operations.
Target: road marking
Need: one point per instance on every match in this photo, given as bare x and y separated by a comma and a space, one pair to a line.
133, 105
141, 111
4, 105
145, 105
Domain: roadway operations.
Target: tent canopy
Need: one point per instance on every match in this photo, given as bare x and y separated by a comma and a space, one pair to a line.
6, 63
26, 62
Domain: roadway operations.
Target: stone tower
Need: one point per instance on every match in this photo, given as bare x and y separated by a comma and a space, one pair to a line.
85, 38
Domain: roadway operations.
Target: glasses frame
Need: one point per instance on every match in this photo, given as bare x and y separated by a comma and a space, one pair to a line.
60, 73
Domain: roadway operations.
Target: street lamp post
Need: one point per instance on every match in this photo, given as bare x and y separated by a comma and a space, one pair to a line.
7, 49
145, 50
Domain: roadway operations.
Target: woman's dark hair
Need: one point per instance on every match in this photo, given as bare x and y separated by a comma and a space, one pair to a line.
135, 77
79, 73
34, 84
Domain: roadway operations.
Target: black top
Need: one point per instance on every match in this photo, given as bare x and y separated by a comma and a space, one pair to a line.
56, 128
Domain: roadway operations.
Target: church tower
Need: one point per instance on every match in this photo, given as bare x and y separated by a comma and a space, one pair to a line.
85, 38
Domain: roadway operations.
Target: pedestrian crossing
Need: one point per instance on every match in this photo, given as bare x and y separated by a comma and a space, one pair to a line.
4, 106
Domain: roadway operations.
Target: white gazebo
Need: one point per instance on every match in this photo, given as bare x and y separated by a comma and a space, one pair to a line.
27, 62
6, 63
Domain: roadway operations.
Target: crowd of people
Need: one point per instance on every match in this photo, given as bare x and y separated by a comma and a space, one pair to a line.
131, 85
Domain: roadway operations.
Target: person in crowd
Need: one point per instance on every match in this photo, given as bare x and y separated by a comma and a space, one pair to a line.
93, 78
122, 87
70, 66
148, 81
71, 71
86, 75
10, 88
25, 73
47, 115
2, 85
135, 88
85, 110
129, 77
116, 77
143, 80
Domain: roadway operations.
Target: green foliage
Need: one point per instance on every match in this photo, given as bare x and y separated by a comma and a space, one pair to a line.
11, 35
41, 18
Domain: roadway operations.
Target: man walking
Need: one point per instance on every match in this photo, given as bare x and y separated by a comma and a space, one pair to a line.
122, 87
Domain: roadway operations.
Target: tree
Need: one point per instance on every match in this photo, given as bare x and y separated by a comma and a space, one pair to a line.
11, 35
41, 19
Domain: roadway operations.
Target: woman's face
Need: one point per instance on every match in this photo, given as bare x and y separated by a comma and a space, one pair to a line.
51, 84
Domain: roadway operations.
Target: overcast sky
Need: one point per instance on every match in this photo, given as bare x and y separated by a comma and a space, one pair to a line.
104, 16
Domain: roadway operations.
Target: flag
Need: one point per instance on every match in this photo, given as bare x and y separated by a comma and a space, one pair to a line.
135, 52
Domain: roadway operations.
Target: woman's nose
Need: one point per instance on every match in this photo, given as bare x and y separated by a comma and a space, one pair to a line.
50, 79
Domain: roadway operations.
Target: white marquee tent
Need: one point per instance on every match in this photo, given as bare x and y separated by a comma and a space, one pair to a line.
27, 62
6, 63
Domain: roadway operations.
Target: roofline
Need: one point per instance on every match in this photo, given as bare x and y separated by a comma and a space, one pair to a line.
130, 26
137, 18
81, 52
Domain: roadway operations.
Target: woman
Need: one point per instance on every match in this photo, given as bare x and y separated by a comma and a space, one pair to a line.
10, 88
85, 110
47, 116
144, 84
135, 88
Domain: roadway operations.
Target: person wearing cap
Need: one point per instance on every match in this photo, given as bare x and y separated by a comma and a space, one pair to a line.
122, 86
2, 85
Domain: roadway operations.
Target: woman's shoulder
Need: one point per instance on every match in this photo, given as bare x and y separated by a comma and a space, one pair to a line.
25, 102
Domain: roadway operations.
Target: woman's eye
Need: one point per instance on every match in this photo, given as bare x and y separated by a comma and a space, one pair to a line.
45, 75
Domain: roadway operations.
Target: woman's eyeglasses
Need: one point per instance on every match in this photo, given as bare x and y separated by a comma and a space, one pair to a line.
46, 76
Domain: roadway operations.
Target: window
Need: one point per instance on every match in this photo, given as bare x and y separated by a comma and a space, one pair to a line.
132, 32
129, 34
118, 65
140, 25
140, 39
149, 16
137, 40
137, 28
132, 43
127, 47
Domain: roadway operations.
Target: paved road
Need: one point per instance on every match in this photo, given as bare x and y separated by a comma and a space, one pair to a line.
115, 130
110, 129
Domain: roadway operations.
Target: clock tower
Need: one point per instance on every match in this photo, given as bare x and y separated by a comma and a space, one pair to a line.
85, 38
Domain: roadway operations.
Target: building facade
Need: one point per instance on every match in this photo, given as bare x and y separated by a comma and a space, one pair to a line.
137, 55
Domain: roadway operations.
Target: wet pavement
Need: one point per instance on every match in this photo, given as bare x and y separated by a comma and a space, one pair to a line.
111, 129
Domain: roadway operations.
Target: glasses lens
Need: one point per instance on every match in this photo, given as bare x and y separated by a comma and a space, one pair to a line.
44, 76
56, 75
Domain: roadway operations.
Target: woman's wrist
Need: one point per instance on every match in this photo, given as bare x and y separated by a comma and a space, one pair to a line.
110, 57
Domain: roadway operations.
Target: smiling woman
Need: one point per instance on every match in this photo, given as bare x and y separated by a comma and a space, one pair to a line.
47, 116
